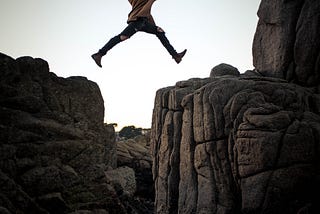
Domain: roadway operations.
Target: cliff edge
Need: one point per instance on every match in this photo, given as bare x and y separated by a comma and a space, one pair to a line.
246, 143
56, 154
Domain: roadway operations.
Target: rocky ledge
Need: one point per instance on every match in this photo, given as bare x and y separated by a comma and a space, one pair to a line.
56, 154
236, 144
246, 143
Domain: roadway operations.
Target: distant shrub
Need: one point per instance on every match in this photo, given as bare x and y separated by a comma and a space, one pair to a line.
128, 132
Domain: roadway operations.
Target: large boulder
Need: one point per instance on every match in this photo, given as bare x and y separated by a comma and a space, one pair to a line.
286, 43
224, 69
123, 178
135, 153
246, 143
54, 145
229, 144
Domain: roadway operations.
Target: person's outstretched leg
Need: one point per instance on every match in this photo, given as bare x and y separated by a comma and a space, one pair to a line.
153, 29
124, 35
165, 42
103, 51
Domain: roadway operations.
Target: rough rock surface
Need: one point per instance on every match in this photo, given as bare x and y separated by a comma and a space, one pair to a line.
246, 143
224, 69
135, 153
123, 178
286, 43
241, 144
55, 150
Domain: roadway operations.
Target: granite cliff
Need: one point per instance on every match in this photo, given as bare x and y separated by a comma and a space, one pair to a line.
229, 143
56, 154
246, 143
286, 43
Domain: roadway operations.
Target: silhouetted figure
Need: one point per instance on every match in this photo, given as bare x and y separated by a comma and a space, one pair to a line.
139, 19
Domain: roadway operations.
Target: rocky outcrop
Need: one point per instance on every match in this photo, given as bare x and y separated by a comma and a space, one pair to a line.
55, 151
236, 144
286, 43
246, 143
135, 153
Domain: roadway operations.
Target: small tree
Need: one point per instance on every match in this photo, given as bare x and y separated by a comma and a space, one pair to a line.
130, 132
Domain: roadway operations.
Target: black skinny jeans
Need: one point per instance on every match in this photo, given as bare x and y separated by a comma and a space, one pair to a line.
141, 24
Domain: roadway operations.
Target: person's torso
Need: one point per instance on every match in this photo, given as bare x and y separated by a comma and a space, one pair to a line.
140, 8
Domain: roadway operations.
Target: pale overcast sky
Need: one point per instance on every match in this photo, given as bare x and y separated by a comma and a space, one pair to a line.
66, 32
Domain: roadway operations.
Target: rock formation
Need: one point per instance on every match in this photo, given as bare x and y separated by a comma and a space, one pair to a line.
135, 153
286, 43
246, 143
56, 154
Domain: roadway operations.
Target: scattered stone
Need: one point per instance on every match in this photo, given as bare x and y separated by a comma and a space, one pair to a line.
123, 179
224, 69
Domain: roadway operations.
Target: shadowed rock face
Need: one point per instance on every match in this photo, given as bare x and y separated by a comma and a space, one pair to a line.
236, 144
286, 43
246, 143
135, 153
55, 148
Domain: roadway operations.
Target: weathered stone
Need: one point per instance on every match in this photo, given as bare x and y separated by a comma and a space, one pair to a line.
253, 192
237, 134
123, 179
188, 198
4, 210
307, 38
135, 153
54, 146
10, 191
275, 36
286, 43
224, 69
53, 202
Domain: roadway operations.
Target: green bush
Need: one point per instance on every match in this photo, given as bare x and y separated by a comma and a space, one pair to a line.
130, 132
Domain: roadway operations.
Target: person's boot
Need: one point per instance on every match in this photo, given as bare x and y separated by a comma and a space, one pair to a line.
178, 57
97, 58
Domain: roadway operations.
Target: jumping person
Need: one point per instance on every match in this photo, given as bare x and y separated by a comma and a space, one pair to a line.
139, 19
